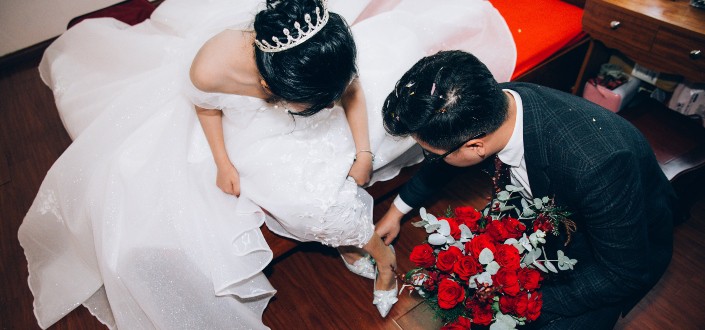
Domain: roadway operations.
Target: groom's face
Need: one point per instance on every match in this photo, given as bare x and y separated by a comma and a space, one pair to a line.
467, 155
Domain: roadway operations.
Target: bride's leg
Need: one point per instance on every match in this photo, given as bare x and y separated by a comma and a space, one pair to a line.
386, 262
351, 253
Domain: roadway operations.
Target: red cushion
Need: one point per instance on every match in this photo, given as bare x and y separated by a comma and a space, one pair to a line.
540, 28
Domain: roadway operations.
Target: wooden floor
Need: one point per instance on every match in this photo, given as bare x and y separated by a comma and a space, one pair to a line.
315, 290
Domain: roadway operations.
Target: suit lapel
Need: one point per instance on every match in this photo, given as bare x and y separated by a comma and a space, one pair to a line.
534, 148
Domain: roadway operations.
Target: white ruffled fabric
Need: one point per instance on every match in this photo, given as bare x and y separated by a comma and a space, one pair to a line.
129, 222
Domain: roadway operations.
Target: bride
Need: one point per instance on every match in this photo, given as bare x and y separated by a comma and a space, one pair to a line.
152, 220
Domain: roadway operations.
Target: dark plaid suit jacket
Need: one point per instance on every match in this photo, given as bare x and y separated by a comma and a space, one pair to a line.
599, 167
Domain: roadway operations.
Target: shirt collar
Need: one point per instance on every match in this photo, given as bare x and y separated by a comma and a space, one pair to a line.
513, 152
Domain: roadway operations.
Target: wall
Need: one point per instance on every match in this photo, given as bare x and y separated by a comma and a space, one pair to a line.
24, 23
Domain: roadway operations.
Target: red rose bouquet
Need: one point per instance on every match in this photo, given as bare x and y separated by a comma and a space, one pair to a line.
485, 267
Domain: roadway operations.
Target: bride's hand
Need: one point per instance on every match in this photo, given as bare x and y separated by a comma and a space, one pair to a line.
228, 179
361, 170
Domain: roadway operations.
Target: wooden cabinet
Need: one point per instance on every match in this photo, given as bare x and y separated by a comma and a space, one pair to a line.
617, 28
685, 53
664, 35
667, 36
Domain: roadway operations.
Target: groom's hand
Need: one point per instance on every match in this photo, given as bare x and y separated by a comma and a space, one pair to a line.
389, 226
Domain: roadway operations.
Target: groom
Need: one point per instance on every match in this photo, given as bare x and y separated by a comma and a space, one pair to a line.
595, 164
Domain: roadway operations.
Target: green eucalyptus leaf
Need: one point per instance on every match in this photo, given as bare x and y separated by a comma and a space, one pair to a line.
550, 266
422, 213
513, 188
420, 223
540, 266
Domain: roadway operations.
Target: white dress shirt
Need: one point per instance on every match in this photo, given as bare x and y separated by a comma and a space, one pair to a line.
513, 152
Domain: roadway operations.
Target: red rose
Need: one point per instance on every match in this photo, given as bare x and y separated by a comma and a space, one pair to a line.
514, 305
482, 314
462, 323
496, 229
543, 223
447, 258
422, 255
533, 308
507, 304
468, 215
514, 227
522, 304
530, 279
450, 293
507, 256
479, 243
466, 266
508, 281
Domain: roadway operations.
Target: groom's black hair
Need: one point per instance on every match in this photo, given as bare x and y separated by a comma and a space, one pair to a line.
314, 73
444, 99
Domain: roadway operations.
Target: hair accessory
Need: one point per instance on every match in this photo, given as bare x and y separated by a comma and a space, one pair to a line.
409, 85
435, 81
302, 36
442, 110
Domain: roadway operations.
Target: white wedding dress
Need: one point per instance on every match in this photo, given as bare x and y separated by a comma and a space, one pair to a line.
129, 221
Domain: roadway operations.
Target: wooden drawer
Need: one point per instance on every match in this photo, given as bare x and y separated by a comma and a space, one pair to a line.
617, 29
677, 47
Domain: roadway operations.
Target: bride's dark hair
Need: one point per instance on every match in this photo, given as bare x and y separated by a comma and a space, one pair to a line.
317, 71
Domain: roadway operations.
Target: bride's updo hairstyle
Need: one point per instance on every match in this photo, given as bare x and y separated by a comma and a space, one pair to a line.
445, 99
316, 71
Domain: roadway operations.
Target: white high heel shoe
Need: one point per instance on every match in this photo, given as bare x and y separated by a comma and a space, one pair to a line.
364, 266
384, 299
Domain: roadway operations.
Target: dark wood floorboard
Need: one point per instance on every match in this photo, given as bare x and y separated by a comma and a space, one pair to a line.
315, 289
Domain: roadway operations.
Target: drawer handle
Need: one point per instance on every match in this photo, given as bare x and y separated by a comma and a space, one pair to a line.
615, 24
695, 54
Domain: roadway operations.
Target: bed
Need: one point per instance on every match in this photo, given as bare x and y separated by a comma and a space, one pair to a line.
541, 29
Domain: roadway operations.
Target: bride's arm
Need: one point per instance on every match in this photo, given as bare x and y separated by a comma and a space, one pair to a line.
353, 102
228, 179
205, 75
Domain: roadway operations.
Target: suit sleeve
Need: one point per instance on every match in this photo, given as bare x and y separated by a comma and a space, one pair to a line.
426, 182
617, 230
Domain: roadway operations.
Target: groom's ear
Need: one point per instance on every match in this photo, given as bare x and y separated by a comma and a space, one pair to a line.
477, 147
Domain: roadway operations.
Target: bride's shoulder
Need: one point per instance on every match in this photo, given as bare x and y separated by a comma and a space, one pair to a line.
219, 57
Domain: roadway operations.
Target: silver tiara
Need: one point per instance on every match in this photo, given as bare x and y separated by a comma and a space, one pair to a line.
302, 35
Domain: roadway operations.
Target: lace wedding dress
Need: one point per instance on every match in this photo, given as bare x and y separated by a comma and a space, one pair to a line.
129, 221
